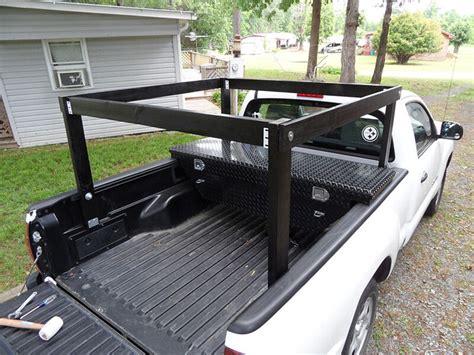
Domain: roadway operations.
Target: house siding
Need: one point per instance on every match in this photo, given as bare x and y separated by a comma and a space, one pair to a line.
26, 24
115, 63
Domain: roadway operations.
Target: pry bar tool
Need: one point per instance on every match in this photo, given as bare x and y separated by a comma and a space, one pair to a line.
40, 305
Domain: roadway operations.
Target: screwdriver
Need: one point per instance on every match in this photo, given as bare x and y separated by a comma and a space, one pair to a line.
40, 305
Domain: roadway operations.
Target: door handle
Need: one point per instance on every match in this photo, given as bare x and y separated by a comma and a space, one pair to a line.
424, 176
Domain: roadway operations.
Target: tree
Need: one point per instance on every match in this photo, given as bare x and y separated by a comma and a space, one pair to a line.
410, 34
448, 18
214, 21
462, 34
470, 21
314, 40
298, 22
348, 55
382, 45
432, 10
327, 23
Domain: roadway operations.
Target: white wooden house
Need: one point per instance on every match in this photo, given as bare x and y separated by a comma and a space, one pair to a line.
51, 49
260, 43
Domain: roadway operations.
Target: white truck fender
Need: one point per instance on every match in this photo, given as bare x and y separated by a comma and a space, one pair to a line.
317, 318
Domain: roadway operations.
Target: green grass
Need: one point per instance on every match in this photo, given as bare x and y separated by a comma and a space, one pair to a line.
32, 174
465, 96
422, 87
272, 74
295, 61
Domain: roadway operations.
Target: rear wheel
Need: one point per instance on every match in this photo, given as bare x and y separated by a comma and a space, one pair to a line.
363, 321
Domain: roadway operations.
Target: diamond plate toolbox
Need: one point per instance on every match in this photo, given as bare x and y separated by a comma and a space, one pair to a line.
323, 189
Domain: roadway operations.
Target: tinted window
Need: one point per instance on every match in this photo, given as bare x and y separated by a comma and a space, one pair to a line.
421, 125
362, 136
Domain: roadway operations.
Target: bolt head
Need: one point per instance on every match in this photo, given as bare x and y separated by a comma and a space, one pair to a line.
88, 196
36, 236
290, 136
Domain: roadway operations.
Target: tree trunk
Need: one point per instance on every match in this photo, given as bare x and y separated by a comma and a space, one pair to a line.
314, 40
382, 51
300, 18
236, 21
348, 55
402, 58
119, 2
456, 48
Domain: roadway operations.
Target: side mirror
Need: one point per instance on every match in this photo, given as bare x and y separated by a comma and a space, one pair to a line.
451, 130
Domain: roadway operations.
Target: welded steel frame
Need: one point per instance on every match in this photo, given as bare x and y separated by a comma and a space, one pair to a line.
279, 136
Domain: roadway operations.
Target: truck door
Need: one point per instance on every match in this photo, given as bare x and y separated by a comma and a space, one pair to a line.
427, 149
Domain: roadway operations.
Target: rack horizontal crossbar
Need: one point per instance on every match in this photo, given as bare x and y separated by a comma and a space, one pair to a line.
150, 92
307, 87
305, 128
243, 129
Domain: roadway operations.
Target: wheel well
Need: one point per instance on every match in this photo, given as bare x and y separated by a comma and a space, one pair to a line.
383, 270
449, 160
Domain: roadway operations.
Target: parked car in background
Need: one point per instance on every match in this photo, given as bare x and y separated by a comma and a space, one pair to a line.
332, 47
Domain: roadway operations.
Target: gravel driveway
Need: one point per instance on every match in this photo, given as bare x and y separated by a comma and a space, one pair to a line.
427, 303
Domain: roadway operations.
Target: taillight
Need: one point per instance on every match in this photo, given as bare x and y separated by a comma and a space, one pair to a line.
229, 351
317, 96
27, 241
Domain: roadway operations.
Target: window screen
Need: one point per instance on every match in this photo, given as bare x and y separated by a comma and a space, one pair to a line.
66, 52
68, 64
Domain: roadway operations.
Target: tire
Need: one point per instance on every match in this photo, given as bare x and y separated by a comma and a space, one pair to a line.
363, 321
434, 204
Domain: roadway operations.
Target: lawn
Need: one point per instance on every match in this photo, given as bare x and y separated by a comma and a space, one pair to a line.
32, 174
295, 61
422, 87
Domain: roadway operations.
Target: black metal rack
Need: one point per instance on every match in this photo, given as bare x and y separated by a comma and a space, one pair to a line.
279, 135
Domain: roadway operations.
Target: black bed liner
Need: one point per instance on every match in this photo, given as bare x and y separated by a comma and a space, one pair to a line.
82, 333
178, 290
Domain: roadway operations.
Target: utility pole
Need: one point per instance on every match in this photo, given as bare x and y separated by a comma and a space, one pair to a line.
236, 64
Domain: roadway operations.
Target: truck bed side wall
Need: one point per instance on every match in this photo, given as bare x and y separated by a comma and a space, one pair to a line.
157, 196
316, 307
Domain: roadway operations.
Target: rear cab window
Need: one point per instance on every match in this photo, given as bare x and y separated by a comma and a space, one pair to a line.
362, 137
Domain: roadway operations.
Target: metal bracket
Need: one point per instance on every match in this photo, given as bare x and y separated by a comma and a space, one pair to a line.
69, 107
265, 137
93, 222
30, 216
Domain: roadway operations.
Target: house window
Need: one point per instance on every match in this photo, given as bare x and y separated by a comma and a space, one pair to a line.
68, 64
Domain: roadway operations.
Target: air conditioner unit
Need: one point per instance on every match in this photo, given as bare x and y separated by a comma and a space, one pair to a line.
71, 78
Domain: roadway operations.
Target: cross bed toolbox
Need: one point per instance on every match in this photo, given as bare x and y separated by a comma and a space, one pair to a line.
168, 257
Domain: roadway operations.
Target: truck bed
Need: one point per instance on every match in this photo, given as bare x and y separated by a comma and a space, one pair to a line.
177, 290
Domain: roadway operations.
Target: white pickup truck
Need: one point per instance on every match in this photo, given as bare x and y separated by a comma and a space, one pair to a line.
269, 237
340, 318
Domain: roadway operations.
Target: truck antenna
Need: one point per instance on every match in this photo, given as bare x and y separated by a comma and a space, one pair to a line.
449, 88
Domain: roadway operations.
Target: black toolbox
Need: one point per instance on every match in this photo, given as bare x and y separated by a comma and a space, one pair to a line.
323, 189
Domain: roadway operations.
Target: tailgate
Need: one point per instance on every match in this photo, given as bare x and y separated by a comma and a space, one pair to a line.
82, 332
